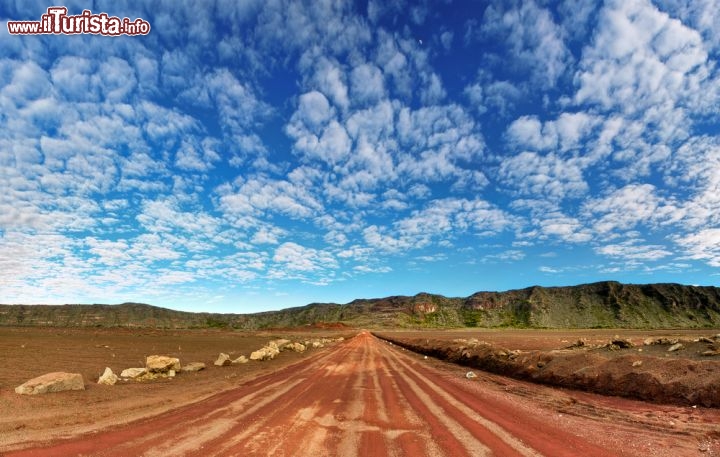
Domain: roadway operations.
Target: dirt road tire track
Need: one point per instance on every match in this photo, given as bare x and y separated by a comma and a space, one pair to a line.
362, 397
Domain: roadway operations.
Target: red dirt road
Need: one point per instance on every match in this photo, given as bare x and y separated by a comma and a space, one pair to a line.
365, 397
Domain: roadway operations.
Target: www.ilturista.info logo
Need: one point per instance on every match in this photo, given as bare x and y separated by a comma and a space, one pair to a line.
57, 22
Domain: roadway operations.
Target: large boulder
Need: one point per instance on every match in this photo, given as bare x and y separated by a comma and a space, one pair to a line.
52, 382
161, 363
108, 377
223, 360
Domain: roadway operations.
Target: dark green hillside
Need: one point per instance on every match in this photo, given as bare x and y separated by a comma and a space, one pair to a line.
598, 305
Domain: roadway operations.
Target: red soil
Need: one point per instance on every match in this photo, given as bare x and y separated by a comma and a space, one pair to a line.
367, 397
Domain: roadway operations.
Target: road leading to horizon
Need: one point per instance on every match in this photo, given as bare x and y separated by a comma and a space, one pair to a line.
363, 397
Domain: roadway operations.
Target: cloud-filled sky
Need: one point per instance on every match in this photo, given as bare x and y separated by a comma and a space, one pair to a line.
252, 155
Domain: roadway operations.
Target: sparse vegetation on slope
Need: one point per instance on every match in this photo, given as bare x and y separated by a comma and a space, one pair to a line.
598, 305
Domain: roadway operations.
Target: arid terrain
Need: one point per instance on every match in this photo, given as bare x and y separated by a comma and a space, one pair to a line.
362, 396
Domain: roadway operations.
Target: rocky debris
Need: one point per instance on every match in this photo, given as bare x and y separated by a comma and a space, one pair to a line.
676, 347
297, 347
317, 344
240, 360
108, 377
622, 343
52, 382
704, 339
580, 343
665, 341
156, 367
132, 373
710, 353
279, 344
223, 360
637, 363
265, 353
470, 375
193, 366
162, 364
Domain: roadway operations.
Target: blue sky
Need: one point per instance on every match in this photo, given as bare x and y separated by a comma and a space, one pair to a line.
255, 155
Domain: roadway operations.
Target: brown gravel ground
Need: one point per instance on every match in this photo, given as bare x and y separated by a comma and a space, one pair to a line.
28, 352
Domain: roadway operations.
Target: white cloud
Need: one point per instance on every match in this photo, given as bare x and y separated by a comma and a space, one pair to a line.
197, 157
631, 250
295, 257
314, 111
260, 194
367, 85
702, 245
642, 59
565, 228
548, 176
441, 220
627, 207
534, 40
330, 79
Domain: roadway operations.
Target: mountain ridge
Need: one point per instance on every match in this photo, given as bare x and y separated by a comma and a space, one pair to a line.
605, 304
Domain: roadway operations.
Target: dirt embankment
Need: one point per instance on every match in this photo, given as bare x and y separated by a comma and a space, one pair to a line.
629, 371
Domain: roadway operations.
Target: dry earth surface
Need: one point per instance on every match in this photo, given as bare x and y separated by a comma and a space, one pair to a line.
360, 397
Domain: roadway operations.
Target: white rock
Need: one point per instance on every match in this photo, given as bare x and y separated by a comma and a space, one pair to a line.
108, 377
470, 375
279, 344
193, 366
132, 372
223, 360
52, 382
676, 347
297, 347
240, 360
265, 353
161, 363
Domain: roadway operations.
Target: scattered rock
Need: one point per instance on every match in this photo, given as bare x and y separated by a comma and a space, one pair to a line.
470, 375
223, 360
710, 353
133, 373
297, 347
653, 341
637, 363
580, 343
621, 343
52, 382
193, 366
676, 347
265, 353
317, 344
278, 344
108, 377
161, 363
239, 360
